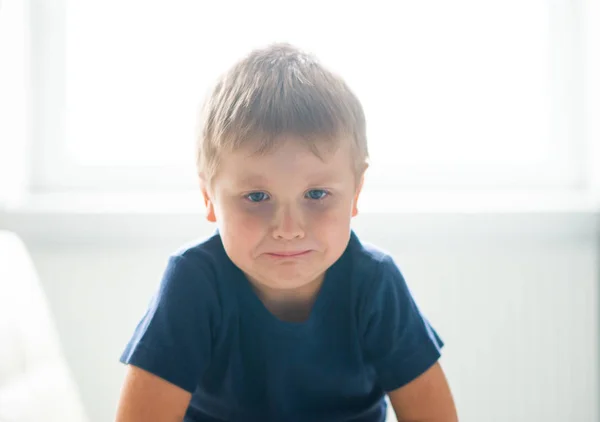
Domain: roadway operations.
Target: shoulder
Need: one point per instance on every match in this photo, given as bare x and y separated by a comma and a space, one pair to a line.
380, 290
204, 259
197, 274
371, 267
206, 252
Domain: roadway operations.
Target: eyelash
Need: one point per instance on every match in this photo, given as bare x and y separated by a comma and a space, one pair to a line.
324, 191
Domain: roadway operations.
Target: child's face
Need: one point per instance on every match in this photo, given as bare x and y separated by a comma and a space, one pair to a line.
284, 217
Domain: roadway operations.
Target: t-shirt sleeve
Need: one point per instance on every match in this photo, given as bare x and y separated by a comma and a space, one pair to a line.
173, 339
398, 340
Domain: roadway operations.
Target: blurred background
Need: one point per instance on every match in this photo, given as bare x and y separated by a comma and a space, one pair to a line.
483, 124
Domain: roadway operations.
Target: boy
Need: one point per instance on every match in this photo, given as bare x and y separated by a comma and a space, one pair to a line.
282, 315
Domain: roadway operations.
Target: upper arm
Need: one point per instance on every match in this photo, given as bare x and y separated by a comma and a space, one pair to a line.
398, 341
148, 398
427, 398
404, 350
174, 338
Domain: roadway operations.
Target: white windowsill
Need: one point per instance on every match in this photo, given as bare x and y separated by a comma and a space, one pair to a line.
127, 217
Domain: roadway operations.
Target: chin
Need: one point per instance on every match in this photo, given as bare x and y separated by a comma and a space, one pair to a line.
298, 280
283, 279
286, 280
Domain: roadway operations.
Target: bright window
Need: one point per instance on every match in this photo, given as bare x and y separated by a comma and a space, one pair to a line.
462, 94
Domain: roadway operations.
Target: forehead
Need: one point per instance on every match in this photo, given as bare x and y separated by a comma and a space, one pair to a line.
292, 159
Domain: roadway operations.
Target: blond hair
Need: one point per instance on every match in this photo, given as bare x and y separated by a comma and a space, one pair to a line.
273, 92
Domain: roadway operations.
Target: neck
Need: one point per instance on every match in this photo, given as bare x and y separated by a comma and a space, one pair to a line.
293, 305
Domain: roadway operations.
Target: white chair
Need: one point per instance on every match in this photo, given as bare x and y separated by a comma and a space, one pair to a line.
35, 382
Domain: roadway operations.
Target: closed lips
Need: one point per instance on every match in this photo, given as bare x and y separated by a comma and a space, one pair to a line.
288, 254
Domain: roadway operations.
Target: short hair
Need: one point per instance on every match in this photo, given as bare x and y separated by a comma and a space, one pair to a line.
276, 91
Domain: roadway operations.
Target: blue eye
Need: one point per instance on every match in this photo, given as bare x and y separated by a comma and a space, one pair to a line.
257, 197
317, 194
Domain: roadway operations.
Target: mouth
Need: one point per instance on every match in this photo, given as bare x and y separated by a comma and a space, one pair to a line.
288, 254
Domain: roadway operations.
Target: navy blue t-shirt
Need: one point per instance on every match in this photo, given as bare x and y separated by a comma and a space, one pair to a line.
207, 332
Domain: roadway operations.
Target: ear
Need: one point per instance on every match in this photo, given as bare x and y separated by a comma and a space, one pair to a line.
208, 203
357, 194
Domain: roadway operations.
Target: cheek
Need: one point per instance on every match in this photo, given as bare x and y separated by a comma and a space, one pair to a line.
333, 209
321, 214
247, 219
241, 232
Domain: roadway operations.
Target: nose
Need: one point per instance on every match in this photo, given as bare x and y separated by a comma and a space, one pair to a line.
288, 224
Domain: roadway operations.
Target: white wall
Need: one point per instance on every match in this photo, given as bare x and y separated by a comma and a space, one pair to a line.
515, 300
